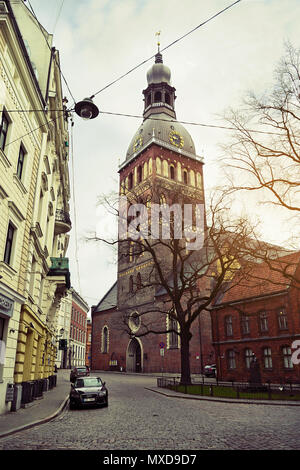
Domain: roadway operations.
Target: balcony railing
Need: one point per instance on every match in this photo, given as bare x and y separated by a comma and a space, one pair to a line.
62, 221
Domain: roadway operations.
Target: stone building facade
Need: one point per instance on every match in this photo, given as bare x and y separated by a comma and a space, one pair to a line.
34, 204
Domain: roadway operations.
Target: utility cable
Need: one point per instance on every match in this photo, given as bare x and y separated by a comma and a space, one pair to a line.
188, 123
74, 204
166, 47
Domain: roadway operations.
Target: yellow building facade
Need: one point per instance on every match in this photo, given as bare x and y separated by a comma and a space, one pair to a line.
34, 205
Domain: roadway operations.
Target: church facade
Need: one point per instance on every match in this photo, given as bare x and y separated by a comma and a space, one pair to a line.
160, 162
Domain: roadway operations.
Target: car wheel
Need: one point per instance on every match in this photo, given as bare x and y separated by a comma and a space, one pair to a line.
106, 403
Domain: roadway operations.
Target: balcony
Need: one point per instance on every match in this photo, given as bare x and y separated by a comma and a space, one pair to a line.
62, 222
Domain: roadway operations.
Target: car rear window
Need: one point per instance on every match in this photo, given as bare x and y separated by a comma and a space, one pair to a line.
89, 382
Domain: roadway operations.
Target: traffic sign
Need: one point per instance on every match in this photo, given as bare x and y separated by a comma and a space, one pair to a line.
161, 345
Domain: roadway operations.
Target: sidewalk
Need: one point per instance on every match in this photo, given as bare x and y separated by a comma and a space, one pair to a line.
39, 411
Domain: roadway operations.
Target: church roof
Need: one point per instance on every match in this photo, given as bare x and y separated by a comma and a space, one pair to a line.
109, 300
264, 279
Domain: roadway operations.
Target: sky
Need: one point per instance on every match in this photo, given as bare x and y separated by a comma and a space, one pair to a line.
212, 69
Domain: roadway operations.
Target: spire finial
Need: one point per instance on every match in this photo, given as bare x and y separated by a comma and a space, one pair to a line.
158, 40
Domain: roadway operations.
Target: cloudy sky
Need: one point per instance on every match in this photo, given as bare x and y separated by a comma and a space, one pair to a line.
212, 69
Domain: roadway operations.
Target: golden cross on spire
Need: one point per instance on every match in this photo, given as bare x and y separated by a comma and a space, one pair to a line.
158, 39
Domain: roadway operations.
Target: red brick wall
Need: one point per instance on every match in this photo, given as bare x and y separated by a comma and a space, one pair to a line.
275, 338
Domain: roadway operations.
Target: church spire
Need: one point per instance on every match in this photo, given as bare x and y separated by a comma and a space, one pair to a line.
159, 95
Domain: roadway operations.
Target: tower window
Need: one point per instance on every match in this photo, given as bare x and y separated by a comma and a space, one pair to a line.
130, 181
157, 97
172, 172
167, 98
148, 100
139, 174
185, 177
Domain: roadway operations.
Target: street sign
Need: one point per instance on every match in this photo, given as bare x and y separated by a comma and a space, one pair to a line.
161, 345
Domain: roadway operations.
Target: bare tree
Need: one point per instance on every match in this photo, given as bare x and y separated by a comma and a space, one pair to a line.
187, 280
264, 152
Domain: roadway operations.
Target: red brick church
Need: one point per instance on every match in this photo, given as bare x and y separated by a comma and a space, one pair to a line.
252, 320
163, 151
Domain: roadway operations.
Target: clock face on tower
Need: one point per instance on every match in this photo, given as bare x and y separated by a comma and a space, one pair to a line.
137, 143
176, 139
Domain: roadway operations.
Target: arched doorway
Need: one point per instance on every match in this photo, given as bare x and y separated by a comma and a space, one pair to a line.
134, 356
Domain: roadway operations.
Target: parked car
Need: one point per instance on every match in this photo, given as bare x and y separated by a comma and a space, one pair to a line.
210, 370
81, 371
88, 391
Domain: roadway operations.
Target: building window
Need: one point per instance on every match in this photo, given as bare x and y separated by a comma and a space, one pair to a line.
105, 340
21, 159
9, 244
131, 284
130, 181
245, 324
228, 326
248, 357
157, 97
172, 172
139, 174
173, 336
138, 281
167, 98
282, 319
3, 131
263, 322
185, 177
287, 357
231, 363
267, 357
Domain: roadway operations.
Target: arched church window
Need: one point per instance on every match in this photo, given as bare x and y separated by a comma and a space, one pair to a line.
158, 165
167, 98
192, 177
172, 172
157, 97
138, 281
199, 180
165, 168
185, 177
130, 181
105, 340
139, 174
131, 284
145, 170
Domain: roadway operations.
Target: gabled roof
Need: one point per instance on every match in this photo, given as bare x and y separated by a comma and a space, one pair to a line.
109, 300
264, 279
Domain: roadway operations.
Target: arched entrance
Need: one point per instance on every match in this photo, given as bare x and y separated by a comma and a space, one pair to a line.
134, 356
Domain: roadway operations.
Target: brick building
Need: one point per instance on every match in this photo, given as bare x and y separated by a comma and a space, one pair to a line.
161, 162
259, 317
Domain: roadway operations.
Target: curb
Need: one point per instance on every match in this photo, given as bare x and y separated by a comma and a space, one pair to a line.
225, 400
41, 421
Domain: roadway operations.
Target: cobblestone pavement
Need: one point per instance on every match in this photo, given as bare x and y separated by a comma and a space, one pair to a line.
139, 419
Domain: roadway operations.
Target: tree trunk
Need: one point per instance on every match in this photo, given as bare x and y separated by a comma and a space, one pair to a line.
185, 358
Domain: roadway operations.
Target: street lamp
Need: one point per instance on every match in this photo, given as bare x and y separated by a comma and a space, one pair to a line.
86, 109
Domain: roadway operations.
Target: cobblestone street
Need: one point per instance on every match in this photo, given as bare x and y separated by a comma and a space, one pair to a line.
140, 419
